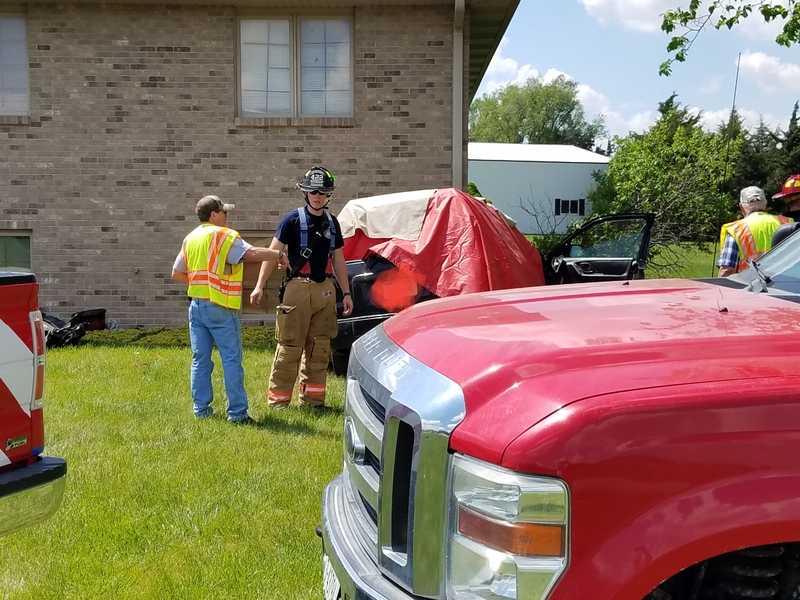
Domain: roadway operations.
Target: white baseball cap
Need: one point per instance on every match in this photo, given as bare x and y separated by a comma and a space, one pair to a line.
752, 195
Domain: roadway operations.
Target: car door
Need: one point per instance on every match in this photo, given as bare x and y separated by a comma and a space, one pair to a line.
610, 248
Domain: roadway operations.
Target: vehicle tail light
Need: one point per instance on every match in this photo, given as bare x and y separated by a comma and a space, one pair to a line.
37, 396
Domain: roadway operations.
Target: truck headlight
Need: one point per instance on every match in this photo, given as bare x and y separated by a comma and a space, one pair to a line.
508, 535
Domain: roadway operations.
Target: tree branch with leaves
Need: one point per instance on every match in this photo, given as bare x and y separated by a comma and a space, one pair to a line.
685, 25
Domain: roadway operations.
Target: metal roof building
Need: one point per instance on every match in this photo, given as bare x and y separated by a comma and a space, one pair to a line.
543, 187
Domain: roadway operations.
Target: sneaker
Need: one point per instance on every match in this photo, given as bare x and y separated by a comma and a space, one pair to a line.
207, 414
248, 420
278, 405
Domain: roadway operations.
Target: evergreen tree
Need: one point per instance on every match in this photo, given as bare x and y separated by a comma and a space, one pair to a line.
791, 149
756, 162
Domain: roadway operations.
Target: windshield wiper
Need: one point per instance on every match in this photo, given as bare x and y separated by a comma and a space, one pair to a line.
763, 278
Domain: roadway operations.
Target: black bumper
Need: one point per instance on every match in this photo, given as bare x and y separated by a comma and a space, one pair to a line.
44, 471
31, 493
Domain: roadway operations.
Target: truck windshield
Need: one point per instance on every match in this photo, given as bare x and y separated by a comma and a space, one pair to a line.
780, 266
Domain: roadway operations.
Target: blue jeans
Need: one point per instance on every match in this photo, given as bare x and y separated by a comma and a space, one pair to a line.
210, 325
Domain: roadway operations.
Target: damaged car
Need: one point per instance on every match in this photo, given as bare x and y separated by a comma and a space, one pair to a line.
409, 247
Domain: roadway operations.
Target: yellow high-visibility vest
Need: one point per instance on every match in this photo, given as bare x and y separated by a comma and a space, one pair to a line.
210, 276
753, 235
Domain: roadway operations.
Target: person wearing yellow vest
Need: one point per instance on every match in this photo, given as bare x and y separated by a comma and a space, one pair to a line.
210, 262
748, 238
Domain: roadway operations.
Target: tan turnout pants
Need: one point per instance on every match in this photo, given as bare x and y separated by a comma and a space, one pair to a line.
305, 324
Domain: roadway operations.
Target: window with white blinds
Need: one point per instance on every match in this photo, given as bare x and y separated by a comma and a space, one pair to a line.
14, 96
296, 67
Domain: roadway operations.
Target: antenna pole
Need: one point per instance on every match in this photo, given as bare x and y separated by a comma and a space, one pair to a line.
728, 143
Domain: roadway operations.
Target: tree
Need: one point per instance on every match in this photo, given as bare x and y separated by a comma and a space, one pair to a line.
791, 144
676, 170
758, 160
534, 113
684, 25
767, 156
733, 128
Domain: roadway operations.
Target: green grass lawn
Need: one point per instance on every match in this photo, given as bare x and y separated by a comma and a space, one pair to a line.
159, 505
684, 260
676, 260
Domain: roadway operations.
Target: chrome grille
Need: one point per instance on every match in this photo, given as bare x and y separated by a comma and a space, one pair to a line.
401, 414
376, 407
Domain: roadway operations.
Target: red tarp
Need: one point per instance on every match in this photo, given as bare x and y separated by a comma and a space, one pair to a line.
357, 245
465, 246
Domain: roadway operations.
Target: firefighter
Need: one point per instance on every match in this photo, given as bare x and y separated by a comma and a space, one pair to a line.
790, 195
750, 237
306, 312
210, 263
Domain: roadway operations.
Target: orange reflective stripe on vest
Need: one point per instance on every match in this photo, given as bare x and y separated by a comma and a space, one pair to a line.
216, 249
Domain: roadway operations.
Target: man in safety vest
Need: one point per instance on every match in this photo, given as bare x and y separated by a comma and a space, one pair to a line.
750, 237
306, 313
210, 263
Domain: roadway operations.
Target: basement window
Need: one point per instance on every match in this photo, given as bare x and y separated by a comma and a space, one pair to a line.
15, 250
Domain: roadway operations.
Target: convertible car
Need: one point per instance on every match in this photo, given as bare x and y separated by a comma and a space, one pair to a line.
410, 247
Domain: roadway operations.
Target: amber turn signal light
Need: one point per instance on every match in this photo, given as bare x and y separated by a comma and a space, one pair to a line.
522, 539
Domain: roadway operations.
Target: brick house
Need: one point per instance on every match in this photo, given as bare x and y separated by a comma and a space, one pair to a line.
115, 118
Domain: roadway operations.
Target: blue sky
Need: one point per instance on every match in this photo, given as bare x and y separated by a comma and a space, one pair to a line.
613, 49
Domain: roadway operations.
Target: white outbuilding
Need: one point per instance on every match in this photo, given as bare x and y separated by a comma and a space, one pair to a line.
543, 187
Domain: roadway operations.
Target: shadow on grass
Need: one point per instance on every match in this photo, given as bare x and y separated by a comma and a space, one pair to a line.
254, 337
275, 424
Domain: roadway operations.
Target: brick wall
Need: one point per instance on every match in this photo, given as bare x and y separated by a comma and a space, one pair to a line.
133, 118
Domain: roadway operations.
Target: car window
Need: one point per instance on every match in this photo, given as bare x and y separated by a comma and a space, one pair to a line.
609, 239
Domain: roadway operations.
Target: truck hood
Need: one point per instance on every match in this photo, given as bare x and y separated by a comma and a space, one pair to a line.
520, 355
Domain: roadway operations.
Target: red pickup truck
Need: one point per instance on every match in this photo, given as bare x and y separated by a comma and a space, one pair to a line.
608, 441
31, 485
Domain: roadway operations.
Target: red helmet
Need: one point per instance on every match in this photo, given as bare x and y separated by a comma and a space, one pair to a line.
790, 187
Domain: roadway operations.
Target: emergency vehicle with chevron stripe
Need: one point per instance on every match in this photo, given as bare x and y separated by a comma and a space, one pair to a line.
31, 484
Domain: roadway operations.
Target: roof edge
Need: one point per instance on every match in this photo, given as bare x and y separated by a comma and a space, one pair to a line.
511, 8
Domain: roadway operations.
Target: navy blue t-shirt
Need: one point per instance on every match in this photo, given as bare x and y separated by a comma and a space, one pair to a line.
319, 240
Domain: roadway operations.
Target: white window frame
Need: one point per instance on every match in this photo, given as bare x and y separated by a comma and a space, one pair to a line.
295, 59
27, 111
